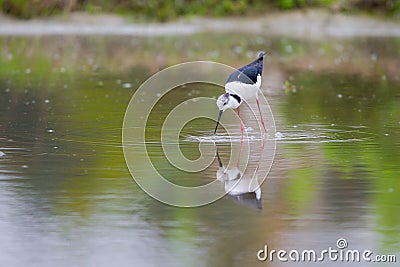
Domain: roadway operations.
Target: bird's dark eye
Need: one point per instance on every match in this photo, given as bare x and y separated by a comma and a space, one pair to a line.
224, 104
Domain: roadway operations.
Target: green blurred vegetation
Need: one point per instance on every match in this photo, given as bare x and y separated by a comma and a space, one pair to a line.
168, 10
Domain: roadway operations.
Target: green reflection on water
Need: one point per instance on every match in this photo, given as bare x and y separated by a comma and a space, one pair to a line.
370, 105
78, 87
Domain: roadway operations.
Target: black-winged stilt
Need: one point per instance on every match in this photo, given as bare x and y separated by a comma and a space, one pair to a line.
242, 84
241, 187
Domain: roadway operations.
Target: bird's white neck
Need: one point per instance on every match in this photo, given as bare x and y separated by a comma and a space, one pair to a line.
234, 101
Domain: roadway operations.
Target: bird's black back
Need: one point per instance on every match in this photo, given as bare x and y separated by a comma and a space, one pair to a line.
248, 74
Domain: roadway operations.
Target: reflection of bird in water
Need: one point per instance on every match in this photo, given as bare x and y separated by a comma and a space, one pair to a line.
239, 187
243, 84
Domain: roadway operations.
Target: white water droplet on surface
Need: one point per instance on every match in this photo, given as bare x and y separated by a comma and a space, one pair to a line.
339, 95
127, 85
50, 131
278, 135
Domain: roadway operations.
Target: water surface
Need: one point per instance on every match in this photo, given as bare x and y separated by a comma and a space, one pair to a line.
67, 198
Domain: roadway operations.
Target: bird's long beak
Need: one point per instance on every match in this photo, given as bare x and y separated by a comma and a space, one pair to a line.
219, 117
219, 160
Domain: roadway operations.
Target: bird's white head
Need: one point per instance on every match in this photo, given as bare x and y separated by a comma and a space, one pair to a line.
222, 102
227, 100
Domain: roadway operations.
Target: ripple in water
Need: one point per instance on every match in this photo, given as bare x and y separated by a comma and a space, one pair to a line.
311, 133
304, 133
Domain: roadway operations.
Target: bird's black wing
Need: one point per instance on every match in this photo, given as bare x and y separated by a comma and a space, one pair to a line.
247, 74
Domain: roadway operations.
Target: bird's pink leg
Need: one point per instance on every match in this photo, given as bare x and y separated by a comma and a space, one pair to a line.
241, 137
262, 120
261, 154
240, 152
241, 122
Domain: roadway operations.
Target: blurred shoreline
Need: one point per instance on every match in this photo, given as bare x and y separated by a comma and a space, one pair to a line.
300, 24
